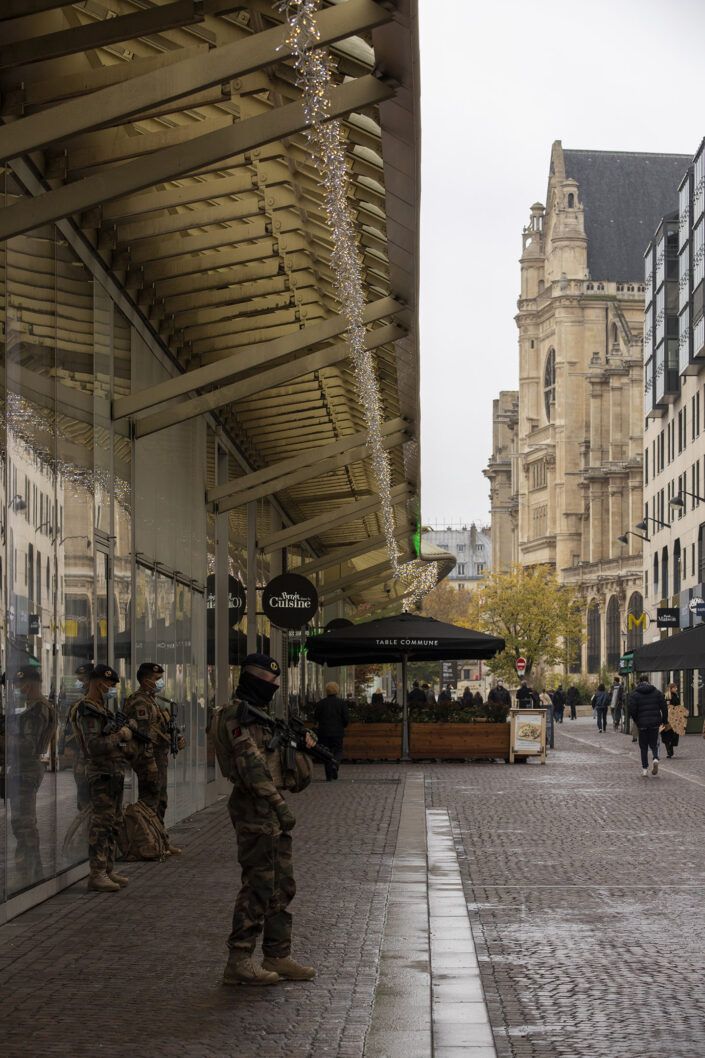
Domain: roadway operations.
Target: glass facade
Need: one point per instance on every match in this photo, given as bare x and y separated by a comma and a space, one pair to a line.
103, 555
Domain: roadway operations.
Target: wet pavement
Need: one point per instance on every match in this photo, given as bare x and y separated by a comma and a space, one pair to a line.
546, 911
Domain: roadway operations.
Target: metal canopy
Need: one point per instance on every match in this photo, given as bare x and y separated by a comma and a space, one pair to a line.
167, 139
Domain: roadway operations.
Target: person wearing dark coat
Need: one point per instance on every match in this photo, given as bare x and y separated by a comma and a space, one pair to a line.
499, 695
649, 710
332, 717
468, 699
445, 696
478, 699
558, 699
416, 696
572, 698
524, 698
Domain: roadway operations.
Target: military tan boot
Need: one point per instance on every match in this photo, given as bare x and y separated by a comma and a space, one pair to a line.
173, 850
240, 970
120, 879
289, 968
98, 882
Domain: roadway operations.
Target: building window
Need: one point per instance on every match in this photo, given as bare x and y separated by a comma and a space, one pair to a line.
549, 383
664, 573
571, 201
656, 581
612, 630
460, 569
593, 637
676, 567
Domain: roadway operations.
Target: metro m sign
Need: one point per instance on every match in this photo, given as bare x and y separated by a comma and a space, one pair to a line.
634, 622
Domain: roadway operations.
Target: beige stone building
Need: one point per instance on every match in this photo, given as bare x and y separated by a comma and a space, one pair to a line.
502, 476
579, 434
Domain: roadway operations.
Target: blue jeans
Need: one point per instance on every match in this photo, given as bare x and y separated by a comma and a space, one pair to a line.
602, 719
648, 740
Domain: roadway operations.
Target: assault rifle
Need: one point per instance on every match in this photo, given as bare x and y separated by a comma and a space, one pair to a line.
292, 734
115, 720
171, 727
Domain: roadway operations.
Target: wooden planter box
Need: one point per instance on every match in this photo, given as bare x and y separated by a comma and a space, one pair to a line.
372, 742
478, 741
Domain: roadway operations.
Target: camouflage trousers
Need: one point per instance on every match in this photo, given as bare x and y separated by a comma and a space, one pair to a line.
264, 853
83, 787
105, 819
23, 792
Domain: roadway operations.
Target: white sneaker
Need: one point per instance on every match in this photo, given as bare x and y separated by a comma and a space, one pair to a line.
654, 769
644, 772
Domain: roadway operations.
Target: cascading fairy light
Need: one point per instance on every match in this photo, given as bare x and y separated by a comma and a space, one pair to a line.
325, 138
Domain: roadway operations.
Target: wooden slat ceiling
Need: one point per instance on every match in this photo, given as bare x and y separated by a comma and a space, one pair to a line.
123, 115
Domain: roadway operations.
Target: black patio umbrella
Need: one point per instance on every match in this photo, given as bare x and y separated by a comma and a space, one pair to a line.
402, 638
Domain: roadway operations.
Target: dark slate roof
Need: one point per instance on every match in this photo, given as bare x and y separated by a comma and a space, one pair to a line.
624, 197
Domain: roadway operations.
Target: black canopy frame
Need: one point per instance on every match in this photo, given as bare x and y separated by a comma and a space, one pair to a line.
401, 638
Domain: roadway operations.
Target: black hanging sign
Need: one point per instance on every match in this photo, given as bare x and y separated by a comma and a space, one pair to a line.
236, 597
290, 601
668, 617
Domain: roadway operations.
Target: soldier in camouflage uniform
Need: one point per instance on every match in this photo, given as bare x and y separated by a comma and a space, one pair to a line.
151, 764
83, 794
104, 750
262, 821
32, 731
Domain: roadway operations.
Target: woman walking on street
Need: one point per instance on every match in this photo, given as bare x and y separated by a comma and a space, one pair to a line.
677, 716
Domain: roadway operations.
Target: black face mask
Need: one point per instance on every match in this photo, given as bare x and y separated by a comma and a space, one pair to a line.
258, 692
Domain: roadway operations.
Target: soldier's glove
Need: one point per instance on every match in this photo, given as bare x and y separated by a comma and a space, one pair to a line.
287, 819
181, 742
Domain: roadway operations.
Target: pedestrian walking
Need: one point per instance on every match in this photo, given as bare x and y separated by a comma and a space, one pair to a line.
263, 823
416, 696
601, 700
572, 698
648, 710
616, 701
499, 695
677, 718
332, 717
558, 698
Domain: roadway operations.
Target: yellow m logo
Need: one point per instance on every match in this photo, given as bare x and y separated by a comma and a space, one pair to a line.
632, 621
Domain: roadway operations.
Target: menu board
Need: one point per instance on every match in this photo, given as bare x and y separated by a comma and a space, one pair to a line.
527, 733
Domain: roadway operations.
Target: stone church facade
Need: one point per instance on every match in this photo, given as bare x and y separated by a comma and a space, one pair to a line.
579, 424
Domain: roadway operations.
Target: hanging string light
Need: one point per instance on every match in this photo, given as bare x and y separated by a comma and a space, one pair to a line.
327, 144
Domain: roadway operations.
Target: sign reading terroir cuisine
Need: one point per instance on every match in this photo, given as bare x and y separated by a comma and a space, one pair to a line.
290, 601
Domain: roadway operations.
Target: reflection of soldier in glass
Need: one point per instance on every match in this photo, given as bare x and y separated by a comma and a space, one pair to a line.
31, 729
70, 742
152, 763
103, 748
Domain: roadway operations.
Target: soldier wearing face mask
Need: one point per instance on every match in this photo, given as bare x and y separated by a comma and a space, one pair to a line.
104, 750
152, 764
263, 822
79, 765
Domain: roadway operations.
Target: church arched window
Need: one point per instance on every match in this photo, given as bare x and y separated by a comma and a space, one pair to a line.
549, 383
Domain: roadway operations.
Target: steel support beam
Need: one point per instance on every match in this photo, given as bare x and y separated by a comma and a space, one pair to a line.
267, 379
336, 556
172, 162
107, 31
150, 89
349, 512
246, 359
359, 577
309, 458
316, 470
359, 585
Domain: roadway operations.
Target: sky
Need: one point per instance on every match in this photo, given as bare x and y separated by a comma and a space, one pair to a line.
500, 82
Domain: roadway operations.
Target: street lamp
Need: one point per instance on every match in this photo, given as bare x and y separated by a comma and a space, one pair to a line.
644, 523
679, 502
623, 538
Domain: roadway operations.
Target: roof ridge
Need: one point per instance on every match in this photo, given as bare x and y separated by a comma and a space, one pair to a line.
631, 154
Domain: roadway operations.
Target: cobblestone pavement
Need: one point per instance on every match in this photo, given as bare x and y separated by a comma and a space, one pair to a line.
586, 882
583, 879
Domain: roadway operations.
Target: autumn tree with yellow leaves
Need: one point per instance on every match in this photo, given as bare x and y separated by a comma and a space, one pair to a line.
538, 618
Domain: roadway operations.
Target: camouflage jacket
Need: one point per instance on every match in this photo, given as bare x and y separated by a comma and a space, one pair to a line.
150, 717
243, 756
34, 729
100, 748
